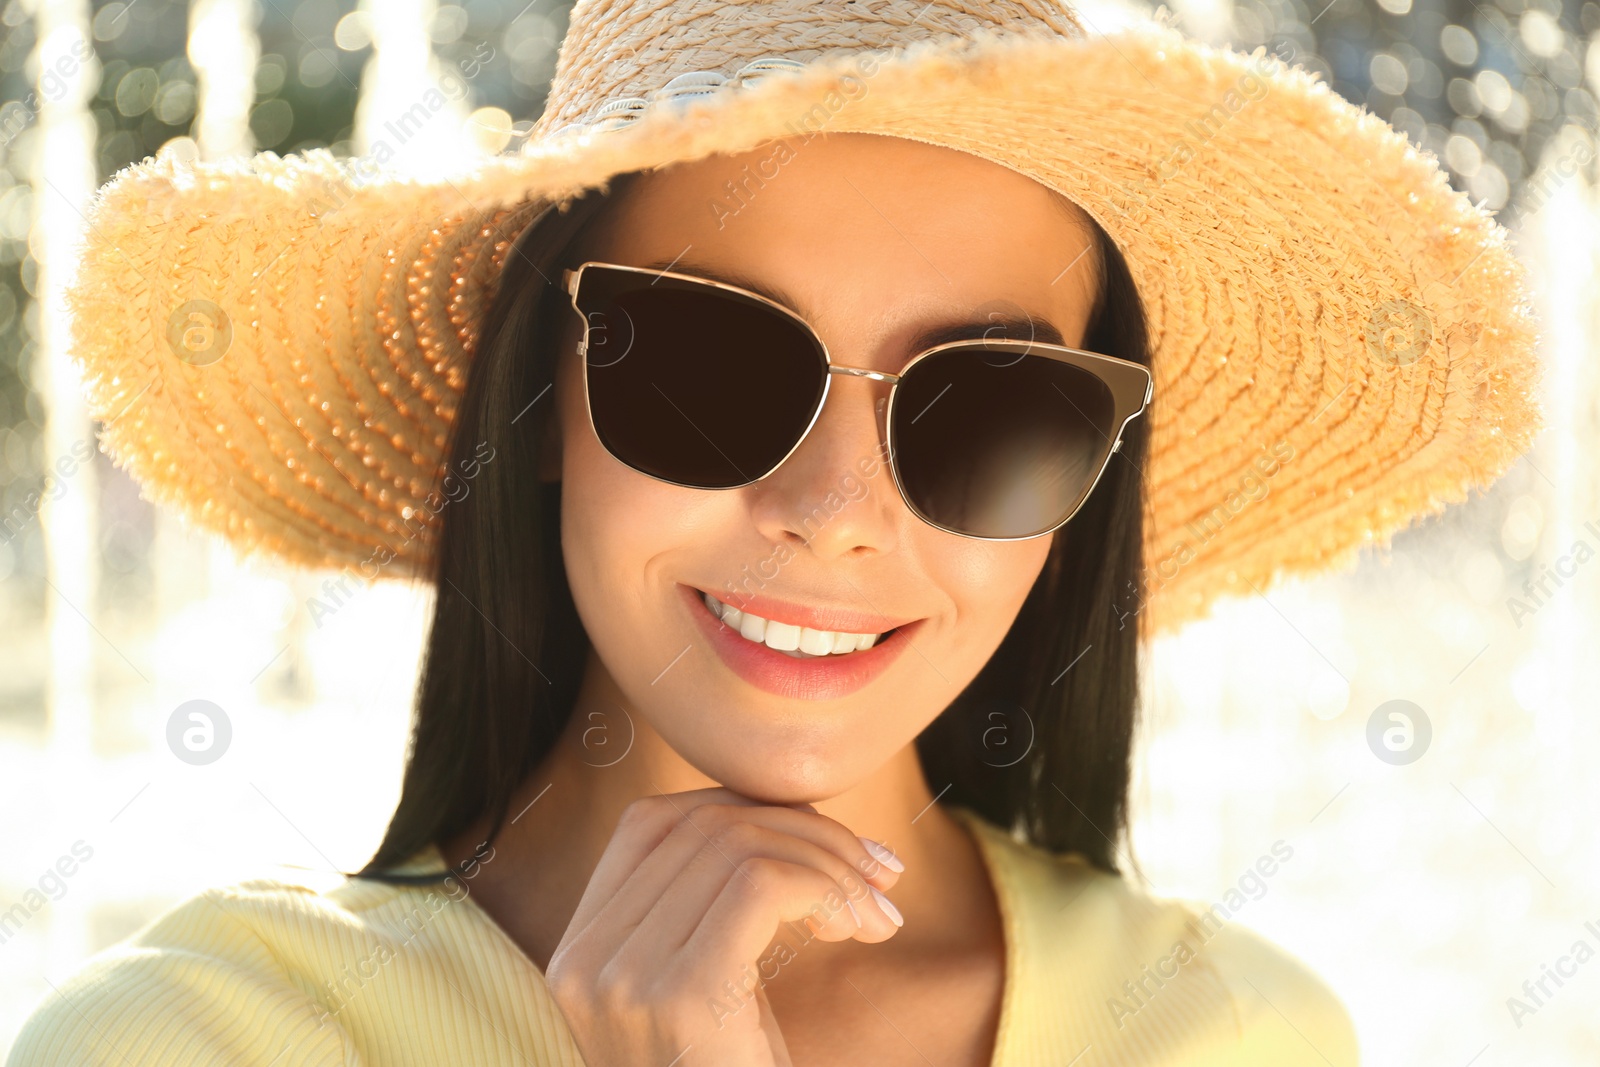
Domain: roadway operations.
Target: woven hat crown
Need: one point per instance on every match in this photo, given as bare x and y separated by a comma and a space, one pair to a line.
622, 57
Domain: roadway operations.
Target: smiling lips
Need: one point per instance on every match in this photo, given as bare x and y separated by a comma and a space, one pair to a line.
797, 641
799, 652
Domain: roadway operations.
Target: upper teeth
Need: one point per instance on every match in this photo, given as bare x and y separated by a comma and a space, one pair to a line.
785, 637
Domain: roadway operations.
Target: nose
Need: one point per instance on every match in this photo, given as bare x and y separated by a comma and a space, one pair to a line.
835, 493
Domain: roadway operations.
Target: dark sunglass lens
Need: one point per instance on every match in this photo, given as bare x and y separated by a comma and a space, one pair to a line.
993, 444
693, 384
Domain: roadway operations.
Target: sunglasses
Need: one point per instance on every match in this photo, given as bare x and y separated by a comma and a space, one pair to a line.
710, 386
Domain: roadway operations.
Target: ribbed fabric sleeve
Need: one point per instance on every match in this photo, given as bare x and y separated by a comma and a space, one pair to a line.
1102, 975
270, 974
198, 986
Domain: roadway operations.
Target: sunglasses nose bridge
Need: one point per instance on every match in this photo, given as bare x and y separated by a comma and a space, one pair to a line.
881, 404
834, 440
833, 491
864, 372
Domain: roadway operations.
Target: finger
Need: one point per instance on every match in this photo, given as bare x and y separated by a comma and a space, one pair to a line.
843, 907
613, 919
706, 822
739, 925
643, 826
872, 859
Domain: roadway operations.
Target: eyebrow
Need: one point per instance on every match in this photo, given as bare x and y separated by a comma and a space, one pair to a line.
1008, 327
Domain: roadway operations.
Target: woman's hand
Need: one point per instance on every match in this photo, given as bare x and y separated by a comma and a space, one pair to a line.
660, 962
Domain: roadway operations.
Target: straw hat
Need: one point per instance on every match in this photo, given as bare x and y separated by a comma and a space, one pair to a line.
1341, 343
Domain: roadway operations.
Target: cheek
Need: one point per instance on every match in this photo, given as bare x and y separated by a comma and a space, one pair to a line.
985, 572
987, 581
624, 539
612, 517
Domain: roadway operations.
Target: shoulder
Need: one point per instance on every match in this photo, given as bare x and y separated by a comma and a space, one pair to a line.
1135, 968
199, 984
1286, 1013
271, 972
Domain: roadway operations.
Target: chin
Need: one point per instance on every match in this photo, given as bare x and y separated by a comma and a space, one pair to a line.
773, 766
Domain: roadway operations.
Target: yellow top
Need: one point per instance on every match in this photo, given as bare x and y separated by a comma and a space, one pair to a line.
269, 973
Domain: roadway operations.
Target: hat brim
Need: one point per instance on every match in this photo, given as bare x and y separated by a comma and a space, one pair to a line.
1341, 343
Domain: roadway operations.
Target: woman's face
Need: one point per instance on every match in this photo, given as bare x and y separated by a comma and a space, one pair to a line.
873, 240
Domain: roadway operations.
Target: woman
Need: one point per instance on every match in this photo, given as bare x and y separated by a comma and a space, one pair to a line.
668, 702
771, 714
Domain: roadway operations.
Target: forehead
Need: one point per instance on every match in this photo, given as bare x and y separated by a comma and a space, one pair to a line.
866, 235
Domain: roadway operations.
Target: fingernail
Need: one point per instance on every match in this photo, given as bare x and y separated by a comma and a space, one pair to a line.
854, 914
888, 908
882, 855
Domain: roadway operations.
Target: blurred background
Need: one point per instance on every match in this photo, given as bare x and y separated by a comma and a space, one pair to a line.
1420, 731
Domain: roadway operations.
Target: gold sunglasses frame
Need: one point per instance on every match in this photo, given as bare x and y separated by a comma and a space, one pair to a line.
1131, 385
